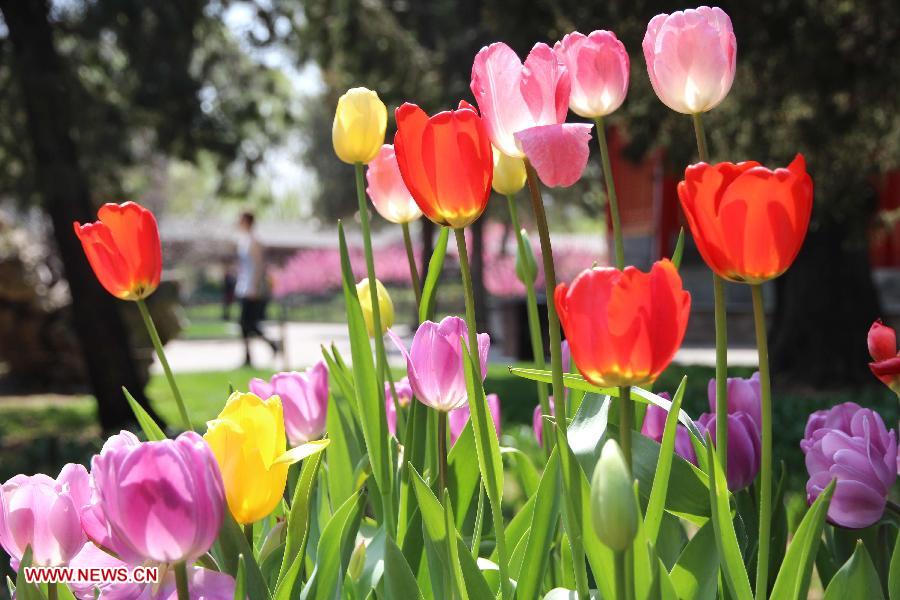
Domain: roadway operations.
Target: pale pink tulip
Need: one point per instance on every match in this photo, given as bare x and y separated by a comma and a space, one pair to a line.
459, 417
598, 68
691, 58
515, 98
386, 189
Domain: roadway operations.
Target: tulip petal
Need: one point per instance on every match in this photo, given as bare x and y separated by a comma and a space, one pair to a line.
558, 153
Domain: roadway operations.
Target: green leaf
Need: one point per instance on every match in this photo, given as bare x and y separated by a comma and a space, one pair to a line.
298, 453
726, 540
369, 394
232, 544
796, 568
435, 529
517, 529
333, 551
679, 249
462, 479
696, 573
524, 468
577, 382
435, 265
298, 522
399, 581
343, 455
25, 590
856, 579
894, 573
452, 549
657, 503
540, 536
341, 376
148, 425
240, 580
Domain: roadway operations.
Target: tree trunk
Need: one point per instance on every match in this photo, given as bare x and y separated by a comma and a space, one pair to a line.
826, 303
66, 197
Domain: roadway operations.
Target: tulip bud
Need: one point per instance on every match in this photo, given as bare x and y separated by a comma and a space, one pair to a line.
359, 124
357, 562
509, 173
526, 265
614, 511
385, 306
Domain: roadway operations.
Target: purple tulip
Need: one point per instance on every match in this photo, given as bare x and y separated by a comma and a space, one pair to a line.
43, 513
852, 445
434, 362
654, 427
404, 397
203, 584
304, 397
158, 501
744, 395
459, 417
744, 447
537, 422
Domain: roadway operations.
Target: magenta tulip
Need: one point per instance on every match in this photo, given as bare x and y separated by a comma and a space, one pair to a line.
304, 398
404, 397
389, 194
43, 513
434, 362
744, 447
852, 445
524, 108
598, 68
691, 58
744, 395
158, 501
459, 417
654, 427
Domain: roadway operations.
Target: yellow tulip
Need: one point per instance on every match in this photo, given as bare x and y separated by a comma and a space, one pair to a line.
359, 125
509, 174
385, 306
249, 443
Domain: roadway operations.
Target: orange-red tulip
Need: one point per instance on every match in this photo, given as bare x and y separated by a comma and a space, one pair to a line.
446, 162
123, 249
624, 327
748, 221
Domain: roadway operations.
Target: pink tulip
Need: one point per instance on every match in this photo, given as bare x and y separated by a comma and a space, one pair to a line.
434, 362
459, 417
404, 397
43, 513
304, 397
515, 99
691, 58
537, 422
203, 584
598, 68
388, 192
158, 501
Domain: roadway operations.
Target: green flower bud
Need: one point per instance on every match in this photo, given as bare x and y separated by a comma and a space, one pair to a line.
357, 562
526, 266
614, 511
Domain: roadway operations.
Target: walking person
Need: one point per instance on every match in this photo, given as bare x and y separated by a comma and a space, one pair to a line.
251, 286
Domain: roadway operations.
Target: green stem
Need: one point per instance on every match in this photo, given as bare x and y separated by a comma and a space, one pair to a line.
52, 590
160, 353
496, 509
721, 325
479, 521
569, 468
248, 533
765, 472
621, 594
387, 487
413, 269
442, 451
181, 581
611, 193
534, 320
626, 422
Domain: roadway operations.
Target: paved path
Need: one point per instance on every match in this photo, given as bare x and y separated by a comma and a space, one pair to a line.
303, 341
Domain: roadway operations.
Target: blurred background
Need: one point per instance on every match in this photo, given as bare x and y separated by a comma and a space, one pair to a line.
204, 109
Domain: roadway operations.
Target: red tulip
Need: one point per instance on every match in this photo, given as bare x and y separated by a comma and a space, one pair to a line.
748, 221
882, 342
446, 162
123, 249
624, 327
